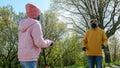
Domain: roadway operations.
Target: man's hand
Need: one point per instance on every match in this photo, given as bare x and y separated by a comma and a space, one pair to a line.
103, 47
84, 48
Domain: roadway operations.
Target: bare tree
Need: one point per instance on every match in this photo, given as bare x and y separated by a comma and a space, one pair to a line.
107, 12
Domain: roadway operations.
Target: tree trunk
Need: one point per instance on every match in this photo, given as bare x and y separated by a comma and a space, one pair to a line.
107, 55
114, 56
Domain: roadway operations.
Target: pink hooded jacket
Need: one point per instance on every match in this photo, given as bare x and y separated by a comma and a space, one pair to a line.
30, 40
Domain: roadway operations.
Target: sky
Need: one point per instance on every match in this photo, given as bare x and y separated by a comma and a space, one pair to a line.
19, 5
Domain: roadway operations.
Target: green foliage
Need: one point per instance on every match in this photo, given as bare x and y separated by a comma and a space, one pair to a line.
8, 38
72, 51
68, 53
114, 48
51, 27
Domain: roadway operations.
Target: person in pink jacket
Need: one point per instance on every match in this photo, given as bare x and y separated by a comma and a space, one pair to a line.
30, 38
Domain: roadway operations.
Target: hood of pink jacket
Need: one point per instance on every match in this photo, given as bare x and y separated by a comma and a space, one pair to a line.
25, 24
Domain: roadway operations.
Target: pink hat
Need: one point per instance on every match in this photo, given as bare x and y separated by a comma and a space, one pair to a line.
32, 11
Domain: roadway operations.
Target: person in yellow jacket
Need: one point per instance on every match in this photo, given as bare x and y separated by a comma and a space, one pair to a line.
93, 42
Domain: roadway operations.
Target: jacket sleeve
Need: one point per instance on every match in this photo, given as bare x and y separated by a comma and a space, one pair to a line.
38, 37
84, 41
104, 39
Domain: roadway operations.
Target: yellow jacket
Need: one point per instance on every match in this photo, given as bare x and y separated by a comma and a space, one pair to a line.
93, 40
